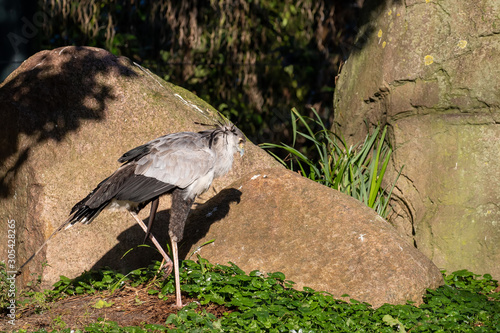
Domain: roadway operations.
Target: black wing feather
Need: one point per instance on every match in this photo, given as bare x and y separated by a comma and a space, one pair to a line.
139, 188
125, 185
136, 153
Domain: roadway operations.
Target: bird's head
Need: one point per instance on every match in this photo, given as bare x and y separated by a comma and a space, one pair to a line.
225, 135
233, 137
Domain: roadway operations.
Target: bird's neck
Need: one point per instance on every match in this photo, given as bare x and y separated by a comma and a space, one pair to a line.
224, 160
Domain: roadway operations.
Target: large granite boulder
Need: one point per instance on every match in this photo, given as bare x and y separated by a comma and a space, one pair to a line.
276, 220
67, 115
70, 113
430, 70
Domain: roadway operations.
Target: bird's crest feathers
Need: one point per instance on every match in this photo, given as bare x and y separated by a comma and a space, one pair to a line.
223, 126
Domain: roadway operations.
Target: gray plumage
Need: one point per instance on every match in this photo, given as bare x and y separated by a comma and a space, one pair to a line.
181, 164
187, 162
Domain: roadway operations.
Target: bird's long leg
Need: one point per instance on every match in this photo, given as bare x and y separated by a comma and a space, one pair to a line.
178, 299
152, 214
168, 261
178, 215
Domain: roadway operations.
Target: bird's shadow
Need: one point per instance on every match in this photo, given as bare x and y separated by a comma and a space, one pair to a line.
130, 253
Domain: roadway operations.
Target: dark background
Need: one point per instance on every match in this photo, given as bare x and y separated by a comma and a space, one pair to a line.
253, 61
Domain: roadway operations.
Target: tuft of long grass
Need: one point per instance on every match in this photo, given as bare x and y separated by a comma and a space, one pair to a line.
354, 170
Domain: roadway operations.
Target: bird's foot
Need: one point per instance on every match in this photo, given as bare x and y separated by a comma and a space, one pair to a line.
166, 268
178, 304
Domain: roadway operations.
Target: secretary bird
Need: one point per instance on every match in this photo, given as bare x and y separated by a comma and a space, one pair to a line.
181, 164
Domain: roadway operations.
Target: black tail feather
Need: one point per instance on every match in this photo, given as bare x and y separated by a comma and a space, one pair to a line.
84, 214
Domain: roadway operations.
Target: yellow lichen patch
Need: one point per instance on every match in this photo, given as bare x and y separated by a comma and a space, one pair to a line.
384, 44
389, 12
379, 33
462, 44
428, 59
427, 1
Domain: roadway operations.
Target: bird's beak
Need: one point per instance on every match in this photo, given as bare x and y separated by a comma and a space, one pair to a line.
241, 149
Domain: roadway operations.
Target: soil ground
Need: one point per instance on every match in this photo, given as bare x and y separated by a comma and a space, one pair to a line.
130, 307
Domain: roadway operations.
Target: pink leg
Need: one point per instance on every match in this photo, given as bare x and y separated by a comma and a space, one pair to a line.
168, 261
178, 299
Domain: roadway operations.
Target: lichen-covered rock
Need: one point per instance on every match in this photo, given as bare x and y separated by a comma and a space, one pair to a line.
67, 115
275, 220
430, 70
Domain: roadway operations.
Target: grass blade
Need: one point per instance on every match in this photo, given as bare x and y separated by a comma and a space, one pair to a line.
355, 170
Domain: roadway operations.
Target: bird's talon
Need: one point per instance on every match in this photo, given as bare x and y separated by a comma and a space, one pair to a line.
178, 307
167, 270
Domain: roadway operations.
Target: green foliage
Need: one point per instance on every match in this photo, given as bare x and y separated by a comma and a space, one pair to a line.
102, 326
91, 282
469, 306
249, 59
465, 280
356, 170
4, 286
58, 323
267, 303
100, 304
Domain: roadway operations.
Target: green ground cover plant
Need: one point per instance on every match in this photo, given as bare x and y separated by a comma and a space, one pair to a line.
268, 303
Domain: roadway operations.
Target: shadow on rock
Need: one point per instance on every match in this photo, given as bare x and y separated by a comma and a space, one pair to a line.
198, 225
47, 97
